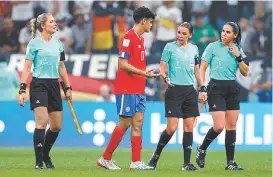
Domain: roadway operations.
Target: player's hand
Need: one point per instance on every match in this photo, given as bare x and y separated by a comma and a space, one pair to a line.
150, 74
234, 50
69, 95
167, 80
202, 97
22, 99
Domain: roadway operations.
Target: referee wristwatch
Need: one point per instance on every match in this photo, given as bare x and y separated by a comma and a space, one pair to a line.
239, 58
22, 91
68, 88
23, 87
203, 89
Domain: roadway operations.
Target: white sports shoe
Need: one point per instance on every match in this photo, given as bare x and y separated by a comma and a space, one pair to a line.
107, 164
140, 165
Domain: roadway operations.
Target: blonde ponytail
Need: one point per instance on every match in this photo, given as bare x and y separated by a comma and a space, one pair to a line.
36, 23
33, 24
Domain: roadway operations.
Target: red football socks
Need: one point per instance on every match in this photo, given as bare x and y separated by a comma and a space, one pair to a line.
113, 143
136, 148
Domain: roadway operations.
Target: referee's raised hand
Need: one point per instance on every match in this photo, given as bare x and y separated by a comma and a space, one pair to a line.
150, 74
234, 50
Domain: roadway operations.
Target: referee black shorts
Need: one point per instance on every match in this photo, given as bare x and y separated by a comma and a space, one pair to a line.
181, 101
45, 93
223, 95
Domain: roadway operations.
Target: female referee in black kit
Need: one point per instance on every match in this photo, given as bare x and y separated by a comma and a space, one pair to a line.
46, 53
223, 57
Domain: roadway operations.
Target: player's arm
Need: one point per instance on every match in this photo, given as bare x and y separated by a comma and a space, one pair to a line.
125, 66
125, 54
125, 51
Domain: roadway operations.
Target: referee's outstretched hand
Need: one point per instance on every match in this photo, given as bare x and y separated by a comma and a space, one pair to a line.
22, 99
150, 74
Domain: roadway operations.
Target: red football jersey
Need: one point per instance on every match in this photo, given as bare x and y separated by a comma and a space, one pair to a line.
131, 47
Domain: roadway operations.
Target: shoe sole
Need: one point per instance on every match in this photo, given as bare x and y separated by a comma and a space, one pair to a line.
132, 169
234, 169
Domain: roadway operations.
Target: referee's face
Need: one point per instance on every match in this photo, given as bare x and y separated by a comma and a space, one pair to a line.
50, 25
183, 34
227, 34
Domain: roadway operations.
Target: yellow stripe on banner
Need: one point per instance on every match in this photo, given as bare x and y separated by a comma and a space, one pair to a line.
167, 23
103, 40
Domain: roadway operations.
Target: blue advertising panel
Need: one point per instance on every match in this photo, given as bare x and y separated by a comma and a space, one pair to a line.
254, 129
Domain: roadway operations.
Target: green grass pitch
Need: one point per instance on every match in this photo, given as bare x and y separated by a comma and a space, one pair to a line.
77, 162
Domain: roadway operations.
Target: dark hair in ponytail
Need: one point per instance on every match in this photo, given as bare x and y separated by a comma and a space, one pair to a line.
237, 30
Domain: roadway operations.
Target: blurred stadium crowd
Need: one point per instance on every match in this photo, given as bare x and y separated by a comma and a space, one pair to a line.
95, 27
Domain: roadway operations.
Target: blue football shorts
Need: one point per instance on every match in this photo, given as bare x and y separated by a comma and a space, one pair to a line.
129, 104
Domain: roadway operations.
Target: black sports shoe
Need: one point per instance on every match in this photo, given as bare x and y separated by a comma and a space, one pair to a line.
189, 167
154, 160
233, 166
48, 163
39, 165
200, 157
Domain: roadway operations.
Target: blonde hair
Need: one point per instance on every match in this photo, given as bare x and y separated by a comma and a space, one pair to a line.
36, 23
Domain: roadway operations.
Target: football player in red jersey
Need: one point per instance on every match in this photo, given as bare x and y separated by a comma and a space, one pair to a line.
130, 91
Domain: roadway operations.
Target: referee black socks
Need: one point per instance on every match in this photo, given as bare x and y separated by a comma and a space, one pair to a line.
38, 140
187, 146
164, 139
50, 139
210, 136
230, 144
